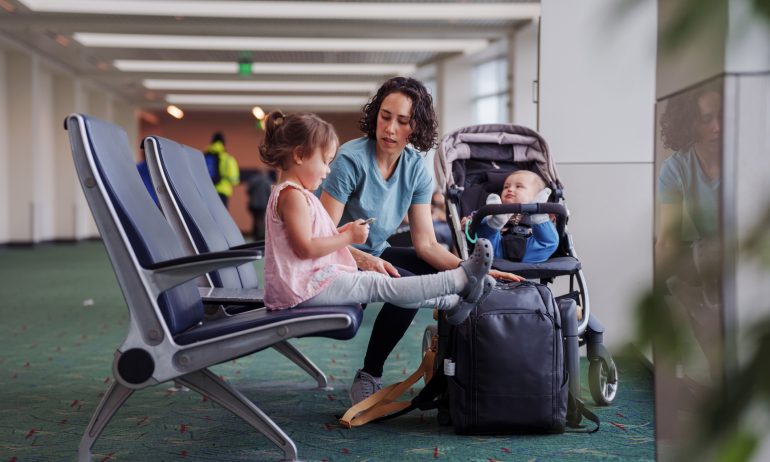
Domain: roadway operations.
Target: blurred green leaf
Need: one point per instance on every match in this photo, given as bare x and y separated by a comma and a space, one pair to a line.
762, 7
657, 326
738, 448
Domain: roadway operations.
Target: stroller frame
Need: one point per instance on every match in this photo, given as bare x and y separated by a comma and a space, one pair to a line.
506, 148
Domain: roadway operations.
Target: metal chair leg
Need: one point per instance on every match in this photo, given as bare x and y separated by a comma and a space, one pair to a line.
296, 356
116, 395
209, 384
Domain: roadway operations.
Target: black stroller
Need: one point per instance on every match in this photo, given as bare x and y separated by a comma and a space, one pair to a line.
473, 162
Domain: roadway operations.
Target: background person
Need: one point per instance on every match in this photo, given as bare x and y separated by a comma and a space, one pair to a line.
260, 185
223, 167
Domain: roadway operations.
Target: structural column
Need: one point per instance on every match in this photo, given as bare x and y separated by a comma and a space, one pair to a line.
5, 192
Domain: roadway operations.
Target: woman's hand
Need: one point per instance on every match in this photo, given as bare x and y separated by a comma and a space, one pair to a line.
367, 262
505, 276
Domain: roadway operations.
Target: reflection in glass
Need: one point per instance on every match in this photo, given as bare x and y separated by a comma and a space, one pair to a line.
688, 250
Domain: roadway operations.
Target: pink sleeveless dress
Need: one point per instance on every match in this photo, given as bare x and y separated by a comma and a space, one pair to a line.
290, 280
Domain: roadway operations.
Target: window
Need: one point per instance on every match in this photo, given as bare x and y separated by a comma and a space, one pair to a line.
490, 92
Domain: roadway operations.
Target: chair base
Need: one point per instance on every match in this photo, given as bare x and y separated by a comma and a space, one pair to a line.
296, 356
206, 383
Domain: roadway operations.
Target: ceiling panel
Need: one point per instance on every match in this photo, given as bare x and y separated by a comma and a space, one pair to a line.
50, 34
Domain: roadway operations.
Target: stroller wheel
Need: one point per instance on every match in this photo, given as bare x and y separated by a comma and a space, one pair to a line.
427, 337
602, 389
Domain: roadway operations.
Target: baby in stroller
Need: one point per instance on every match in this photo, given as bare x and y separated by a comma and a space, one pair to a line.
525, 238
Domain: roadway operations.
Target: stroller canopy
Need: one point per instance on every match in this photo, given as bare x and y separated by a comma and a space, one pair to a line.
499, 145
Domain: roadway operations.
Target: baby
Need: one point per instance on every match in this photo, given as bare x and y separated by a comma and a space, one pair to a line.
526, 239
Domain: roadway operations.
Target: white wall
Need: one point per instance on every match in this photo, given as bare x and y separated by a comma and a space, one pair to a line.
40, 198
454, 80
22, 81
523, 58
44, 158
697, 58
71, 208
748, 40
597, 93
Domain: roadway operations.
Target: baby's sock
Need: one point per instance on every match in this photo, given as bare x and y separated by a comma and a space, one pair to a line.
497, 221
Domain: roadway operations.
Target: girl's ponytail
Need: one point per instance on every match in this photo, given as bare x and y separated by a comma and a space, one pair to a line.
266, 152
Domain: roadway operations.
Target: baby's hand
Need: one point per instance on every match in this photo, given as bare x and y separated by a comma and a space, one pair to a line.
463, 220
358, 230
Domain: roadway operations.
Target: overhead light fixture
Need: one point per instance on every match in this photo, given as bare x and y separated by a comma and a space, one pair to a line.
256, 86
371, 11
270, 101
218, 67
209, 42
174, 111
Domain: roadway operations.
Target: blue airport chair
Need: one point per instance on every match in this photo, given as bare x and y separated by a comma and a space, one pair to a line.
195, 212
169, 338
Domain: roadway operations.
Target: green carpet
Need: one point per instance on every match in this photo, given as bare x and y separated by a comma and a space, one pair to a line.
63, 316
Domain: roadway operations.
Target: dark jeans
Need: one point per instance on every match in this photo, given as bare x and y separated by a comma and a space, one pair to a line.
392, 321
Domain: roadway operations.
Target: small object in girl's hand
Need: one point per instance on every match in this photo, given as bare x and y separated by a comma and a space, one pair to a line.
369, 221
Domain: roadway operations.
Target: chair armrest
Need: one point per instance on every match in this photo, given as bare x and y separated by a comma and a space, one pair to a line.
255, 245
171, 273
222, 295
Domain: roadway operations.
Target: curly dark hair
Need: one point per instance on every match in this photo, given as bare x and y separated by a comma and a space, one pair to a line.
678, 122
423, 122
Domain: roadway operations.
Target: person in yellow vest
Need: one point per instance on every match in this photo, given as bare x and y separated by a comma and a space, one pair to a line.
223, 167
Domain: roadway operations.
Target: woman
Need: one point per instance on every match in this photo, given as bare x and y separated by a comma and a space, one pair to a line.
378, 176
688, 251
689, 180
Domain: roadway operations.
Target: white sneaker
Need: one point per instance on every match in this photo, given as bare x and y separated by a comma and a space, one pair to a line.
364, 385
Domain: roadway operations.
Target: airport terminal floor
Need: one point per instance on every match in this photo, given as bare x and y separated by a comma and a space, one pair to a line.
63, 316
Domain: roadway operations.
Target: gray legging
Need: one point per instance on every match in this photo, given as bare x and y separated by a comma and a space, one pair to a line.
428, 291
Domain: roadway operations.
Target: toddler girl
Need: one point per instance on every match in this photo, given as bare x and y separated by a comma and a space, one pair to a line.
307, 262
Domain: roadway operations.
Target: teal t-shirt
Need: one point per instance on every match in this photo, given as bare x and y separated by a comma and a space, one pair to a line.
356, 182
682, 181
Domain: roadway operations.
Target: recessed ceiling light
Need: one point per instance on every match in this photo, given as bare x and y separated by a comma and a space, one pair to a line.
207, 42
236, 85
371, 11
174, 111
218, 67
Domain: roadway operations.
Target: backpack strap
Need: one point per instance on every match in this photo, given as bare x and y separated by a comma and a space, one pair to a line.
576, 410
383, 402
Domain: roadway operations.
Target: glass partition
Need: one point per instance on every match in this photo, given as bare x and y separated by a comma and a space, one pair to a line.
688, 257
